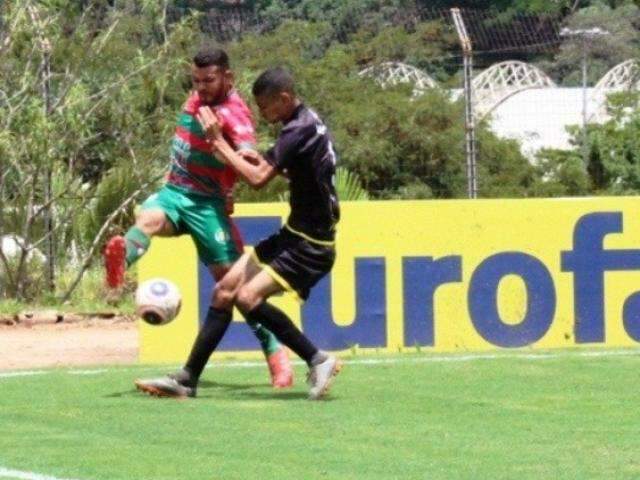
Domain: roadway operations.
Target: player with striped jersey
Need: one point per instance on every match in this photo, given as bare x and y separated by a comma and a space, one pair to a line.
195, 197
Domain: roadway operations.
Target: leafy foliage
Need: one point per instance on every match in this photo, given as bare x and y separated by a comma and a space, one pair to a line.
100, 130
398, 145
348, 186
110, 93
613, 158
621, 42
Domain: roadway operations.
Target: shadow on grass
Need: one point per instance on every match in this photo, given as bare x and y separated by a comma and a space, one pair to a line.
256, 391
244, 392
127, 393
206, 388
207, 384
282, 395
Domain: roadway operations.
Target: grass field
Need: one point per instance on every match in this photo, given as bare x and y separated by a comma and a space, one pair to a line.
567, 415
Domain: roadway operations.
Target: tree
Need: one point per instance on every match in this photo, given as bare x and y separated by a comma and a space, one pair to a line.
620, 44
400, 146
614, 148
613, 166
78, 98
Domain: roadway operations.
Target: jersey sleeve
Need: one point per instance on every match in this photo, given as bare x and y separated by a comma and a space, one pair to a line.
237, 127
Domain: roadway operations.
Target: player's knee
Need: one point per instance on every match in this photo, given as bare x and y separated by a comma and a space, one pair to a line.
150, 223
222, 296
247, 299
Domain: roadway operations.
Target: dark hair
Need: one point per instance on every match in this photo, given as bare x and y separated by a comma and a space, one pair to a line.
272, 81
207, 57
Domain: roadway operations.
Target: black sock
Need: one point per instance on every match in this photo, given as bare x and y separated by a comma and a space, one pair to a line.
214, 328
283, 328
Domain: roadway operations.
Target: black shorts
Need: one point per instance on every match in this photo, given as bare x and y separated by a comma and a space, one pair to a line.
295, 262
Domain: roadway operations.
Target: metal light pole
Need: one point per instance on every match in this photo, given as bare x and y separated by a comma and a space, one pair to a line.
470, 127
586, 36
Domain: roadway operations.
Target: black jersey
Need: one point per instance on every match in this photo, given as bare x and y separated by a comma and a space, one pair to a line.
304, 152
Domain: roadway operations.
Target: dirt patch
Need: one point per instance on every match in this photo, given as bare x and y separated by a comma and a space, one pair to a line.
32, 344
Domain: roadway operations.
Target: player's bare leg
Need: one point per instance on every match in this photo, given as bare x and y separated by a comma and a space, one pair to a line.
280, 369
184, 382
251, 300
122, 251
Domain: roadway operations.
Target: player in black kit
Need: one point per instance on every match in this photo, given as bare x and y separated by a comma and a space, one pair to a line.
295, 258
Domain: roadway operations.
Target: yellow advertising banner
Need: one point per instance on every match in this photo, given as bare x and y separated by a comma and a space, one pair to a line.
439, 276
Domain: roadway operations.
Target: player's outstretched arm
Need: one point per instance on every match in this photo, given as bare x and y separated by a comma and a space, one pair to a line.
251, 166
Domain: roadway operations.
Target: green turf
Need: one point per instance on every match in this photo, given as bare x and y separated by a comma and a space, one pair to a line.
507, 418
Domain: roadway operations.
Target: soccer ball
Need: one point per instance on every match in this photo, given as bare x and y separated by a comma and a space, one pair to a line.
158, 301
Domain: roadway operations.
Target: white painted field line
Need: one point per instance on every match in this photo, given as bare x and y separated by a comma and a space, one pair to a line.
20, 475
453, 358
494, 356
22, 373
95, 371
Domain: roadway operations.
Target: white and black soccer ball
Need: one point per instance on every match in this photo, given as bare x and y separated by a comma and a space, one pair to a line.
158, 301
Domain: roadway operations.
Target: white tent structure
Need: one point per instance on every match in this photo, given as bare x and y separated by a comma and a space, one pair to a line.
393, 73
503, 80
521, 102
539, 118
623, 77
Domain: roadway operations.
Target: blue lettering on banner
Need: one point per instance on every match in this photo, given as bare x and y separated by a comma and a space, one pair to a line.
421, 278
588, 261
239, 336
483, 304
368, 328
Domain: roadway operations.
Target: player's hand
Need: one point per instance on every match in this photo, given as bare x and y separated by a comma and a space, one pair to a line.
209, 123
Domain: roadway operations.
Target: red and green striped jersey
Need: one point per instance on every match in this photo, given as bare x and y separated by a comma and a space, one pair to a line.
193, 166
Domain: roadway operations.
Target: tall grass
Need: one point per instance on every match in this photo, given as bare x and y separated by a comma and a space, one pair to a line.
90, 296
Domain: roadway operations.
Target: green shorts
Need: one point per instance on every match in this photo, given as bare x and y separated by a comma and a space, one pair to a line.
204, 218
